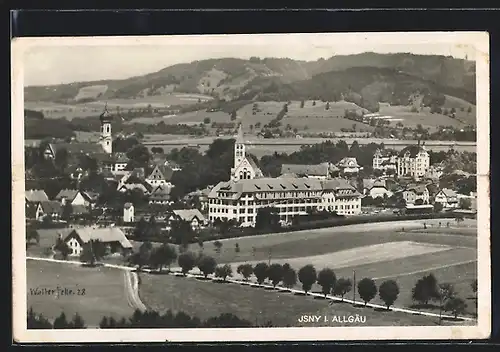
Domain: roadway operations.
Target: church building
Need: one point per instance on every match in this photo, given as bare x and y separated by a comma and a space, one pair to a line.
244, 168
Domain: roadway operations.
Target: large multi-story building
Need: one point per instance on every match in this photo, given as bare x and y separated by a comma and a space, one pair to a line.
413, 161
384, 161
244, 194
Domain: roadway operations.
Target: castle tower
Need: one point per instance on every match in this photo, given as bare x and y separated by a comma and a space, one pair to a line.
105, 138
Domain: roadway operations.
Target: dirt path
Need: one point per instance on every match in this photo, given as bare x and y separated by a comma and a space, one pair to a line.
136, 300
132, 290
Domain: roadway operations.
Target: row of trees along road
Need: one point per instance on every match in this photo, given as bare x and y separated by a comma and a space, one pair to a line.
425, 290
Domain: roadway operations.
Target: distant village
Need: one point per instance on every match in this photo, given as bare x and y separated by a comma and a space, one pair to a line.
401, 182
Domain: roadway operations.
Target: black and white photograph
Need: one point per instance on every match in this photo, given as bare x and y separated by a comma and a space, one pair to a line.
251, 187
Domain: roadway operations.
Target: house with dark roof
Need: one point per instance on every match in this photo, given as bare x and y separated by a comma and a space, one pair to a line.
447, 197
35, 196
50, 208
114, 163
375, 188
161, 175
73, 148
193, 216
348, 165
160, 195
413, 161
384, 160
319, 171
113, 239
416, 193
72, 196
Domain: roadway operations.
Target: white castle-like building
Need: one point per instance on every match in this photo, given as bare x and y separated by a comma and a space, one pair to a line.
248, 190
413, 161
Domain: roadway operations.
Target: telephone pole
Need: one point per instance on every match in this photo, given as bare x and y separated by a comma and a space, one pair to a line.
269, 258
354, 287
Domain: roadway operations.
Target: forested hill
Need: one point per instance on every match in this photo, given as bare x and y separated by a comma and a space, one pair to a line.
229, 78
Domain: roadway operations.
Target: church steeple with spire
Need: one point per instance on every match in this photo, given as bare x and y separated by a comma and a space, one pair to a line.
243, 167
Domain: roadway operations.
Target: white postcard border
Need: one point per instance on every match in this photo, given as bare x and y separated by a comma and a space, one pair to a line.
478, 40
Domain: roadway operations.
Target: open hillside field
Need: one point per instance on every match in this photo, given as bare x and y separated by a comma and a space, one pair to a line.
91, 92
70, 111
403, 114
380, 251
207, 299
461, 109
311, 118
105, 291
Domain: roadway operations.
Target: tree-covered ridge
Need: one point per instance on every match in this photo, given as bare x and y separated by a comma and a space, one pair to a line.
226, 77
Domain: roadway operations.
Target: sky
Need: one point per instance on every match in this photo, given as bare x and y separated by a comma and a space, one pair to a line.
49, 61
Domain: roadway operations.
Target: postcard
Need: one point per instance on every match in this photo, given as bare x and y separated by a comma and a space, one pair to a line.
264, 187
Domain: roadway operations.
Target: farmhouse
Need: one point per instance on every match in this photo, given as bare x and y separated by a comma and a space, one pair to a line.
375, 188
74, 148
447, 197
192, 216
112, 237
35, 196
71, 196
115, 163
413, 161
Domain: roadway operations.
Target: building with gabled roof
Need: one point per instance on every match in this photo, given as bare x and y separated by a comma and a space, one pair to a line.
161, 175
112, 237
241, 200
413, 161
383, 160
35, 196
193, 216
348, 165
414, 192
160, 195
50, 208
72, 196
447, 197
319, 171
375, 188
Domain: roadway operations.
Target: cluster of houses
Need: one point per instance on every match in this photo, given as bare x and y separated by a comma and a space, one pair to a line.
299, 190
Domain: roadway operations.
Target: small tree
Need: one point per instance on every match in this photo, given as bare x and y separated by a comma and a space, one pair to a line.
289, 276
447, 291
237, 248
302, 104
307, 276
186, 261
388, 292
67, 211
206, 120
327, 107
161, 256
465, 203
63, 248
218, 246
207, 265
261, 272
326, 279
77, 322
438, 207
314, 103
469, 110
342, 286
425, 289
245, 270
473, 286
61, 322
93, 251
456, 306
275, 273
223, 271
143, 256
367, 289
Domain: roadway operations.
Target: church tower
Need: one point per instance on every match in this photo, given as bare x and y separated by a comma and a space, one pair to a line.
105, 138
243, 168
239, 148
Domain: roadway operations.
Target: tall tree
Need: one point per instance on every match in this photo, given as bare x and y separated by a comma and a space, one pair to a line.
388, 292
307, 276
326, 279
367, 289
